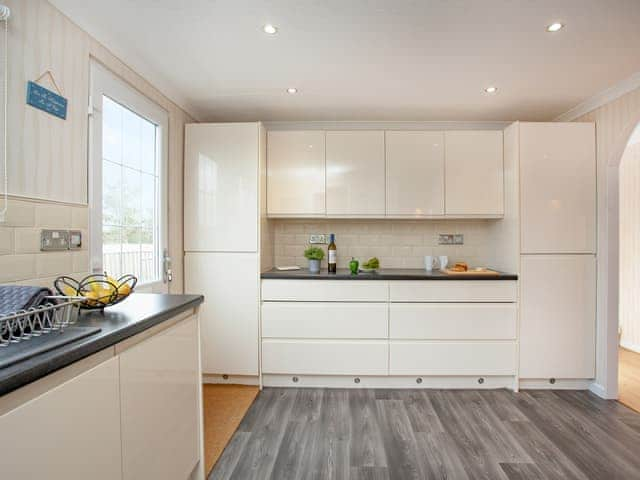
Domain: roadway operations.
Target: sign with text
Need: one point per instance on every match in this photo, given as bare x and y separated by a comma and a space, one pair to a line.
46, 100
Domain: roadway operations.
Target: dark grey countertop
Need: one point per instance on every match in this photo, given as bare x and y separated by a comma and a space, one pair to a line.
382, 274
134, 315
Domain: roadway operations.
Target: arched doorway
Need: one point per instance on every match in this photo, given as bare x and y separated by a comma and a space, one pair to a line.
629, 273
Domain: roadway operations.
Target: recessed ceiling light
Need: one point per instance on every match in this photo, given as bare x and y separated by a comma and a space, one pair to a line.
554, 27
292, 90
270, 29
491, 89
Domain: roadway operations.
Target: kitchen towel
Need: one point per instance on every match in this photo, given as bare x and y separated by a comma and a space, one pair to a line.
18, 297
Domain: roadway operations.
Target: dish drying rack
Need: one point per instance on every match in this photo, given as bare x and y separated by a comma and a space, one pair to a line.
54, 316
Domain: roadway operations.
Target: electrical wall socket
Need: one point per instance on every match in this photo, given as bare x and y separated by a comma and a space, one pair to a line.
318, 238
450, 239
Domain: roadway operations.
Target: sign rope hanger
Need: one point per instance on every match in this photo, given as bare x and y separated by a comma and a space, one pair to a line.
49, 73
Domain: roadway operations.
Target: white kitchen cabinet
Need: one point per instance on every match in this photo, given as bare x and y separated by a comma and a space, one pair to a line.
325, 291
229, 315
557, 316
474, 178
452, 321
325, 357
71, 432
325, 320
558, 187
355, 173
221, 187
415, 173
295, 173
452, 358
478, 291
160, 405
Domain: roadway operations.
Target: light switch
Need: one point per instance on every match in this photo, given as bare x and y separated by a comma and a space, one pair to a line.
53, 240
75, 239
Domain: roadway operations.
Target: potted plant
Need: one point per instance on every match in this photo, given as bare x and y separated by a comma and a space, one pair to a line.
315, 256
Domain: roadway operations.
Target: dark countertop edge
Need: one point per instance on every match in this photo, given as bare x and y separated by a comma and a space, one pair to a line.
87, 347
303, 275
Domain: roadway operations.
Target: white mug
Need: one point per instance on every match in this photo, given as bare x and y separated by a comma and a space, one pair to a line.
444, 261
429, 262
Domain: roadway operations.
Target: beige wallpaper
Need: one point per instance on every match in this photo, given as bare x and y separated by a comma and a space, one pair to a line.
630, 244
397, 243
48, 156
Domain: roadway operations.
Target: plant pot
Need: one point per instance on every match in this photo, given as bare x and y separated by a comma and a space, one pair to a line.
314, 266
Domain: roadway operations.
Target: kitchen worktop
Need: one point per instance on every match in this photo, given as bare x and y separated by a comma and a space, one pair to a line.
382, 274
134, 315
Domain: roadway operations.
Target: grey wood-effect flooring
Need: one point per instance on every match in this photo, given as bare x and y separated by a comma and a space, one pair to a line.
432, 434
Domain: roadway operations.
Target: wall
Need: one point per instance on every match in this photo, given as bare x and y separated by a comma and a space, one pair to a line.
48, 156
397, 243
615, 121
630, 244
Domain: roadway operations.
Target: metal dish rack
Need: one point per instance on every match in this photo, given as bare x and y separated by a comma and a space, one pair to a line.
59, 313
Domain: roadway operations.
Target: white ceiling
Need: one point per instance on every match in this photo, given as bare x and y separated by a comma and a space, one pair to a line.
370, 59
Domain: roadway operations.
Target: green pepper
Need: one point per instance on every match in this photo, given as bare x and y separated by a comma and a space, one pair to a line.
353, 266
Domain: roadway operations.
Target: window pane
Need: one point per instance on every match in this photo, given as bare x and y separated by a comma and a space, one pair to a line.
131, 138
131, 197
148, 259
111, 130
111, 191
148, 147
148, 204
111, 254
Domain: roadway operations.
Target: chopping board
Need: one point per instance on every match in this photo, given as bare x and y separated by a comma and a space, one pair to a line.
472, 273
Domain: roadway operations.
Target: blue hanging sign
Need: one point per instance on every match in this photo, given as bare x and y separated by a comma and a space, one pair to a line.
46, 100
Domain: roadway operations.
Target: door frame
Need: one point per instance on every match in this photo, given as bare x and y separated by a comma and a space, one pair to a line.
103, 81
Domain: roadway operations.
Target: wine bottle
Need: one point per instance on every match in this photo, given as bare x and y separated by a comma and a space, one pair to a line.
333, 254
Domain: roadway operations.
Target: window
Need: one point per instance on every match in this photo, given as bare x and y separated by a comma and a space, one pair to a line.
128, 198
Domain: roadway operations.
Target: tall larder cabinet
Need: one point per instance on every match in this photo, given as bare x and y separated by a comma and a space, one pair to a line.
558, 249
222, 189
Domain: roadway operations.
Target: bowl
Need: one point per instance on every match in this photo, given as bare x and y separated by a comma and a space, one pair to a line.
100, 291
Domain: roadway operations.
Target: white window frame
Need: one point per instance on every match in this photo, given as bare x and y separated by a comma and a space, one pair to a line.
103, 82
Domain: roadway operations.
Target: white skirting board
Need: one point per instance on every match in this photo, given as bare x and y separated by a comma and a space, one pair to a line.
634, 347
560, 384
349, 381
209, 378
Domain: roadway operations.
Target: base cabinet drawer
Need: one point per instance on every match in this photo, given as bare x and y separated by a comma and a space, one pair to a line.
318, 357
324, 320
454, 291
452, 358
325, 290
453, 321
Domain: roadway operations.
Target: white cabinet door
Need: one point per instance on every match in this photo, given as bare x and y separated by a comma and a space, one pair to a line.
295, 173
69, 433
474, 166
558, 187
229, 314
355, 173
160, 405
557, 316
221, 187
415, 173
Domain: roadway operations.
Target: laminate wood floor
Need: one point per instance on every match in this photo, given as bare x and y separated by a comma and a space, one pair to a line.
629, 378
420, 434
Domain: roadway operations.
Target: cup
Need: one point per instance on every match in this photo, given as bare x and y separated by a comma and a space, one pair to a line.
429, 262
444, 261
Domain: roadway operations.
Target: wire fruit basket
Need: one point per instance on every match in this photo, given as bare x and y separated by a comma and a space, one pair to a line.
97, 291
58, 313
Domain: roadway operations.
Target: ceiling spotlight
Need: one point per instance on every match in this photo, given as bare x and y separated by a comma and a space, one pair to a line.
292, 90
270, 29
491, 89
554, 27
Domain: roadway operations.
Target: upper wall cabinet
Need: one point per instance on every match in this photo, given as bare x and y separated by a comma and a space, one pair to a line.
415, 173
558, 187
355, 173
221, 187
474, 173
295, 173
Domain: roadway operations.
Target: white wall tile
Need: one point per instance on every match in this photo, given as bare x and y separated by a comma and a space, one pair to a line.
17, 267
80, 218
27, 240
52, 264
53, 216
6, 241
20, 214
80, 261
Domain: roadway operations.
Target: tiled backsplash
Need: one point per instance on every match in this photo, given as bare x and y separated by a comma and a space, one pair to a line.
397, 243
21, 260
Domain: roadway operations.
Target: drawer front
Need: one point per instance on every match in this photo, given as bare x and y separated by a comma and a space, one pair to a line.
318, 357
324, 320
453, 321
454, 291
325, 290
452, 358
